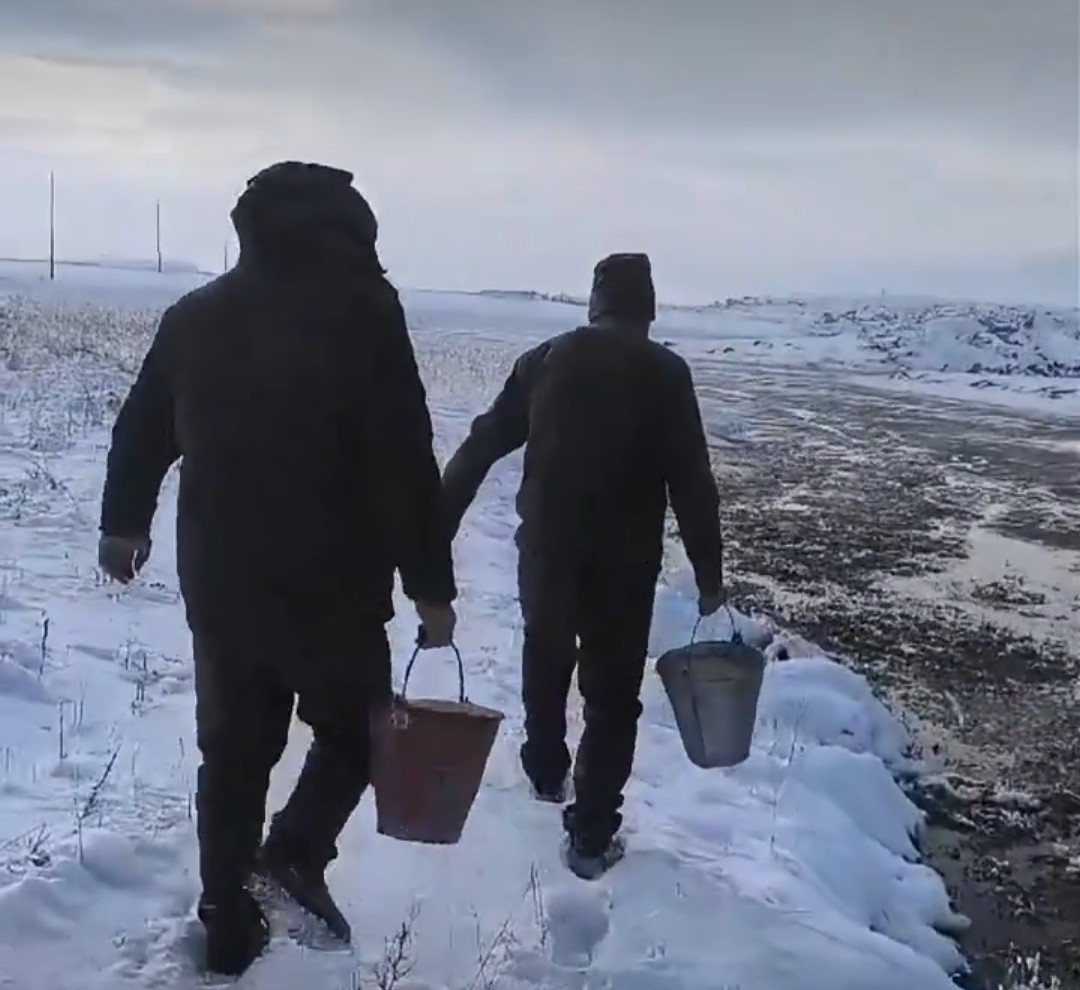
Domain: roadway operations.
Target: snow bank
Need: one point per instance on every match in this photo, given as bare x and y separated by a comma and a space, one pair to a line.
1002, 355
1040, 345
915, 335
1003, 342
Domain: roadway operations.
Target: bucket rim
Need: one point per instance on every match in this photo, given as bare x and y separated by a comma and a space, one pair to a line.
448, 706
725, 646
744, 662
697, 643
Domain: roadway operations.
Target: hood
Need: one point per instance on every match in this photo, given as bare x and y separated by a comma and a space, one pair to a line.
622, 290
298, 215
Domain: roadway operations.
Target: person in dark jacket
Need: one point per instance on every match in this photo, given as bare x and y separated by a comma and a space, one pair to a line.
289, 389
611, 429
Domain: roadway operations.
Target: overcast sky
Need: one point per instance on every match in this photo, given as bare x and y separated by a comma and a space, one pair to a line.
749, 145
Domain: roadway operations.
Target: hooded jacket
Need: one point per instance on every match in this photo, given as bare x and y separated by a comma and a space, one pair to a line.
289, 390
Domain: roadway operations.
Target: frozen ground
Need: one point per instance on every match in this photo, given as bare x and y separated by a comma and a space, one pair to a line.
796, 871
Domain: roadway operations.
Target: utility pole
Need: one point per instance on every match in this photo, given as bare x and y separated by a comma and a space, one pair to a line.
52, 226
157, 217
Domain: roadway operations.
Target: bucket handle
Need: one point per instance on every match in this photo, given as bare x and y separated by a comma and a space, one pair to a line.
736, 636
460, 667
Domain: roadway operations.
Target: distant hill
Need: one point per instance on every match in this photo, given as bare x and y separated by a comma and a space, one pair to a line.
557, 297
172, 266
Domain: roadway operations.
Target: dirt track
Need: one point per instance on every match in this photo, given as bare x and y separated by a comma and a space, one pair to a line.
937, 546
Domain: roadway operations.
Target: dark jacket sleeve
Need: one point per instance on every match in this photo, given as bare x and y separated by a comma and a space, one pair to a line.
402, 439
499, 431
691, 484
143, 447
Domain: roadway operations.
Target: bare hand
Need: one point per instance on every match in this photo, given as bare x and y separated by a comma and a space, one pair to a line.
437, 624
122, 557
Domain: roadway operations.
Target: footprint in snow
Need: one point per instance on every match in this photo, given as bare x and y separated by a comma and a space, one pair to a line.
577, 922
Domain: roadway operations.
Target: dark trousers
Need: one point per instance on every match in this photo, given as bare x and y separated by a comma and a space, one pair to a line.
245, 695
608, 609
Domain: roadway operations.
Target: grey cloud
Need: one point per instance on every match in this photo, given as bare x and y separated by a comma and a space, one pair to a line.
1001, 69
166, 34
995, 66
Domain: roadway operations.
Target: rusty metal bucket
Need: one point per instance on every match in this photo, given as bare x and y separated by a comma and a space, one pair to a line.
430, 756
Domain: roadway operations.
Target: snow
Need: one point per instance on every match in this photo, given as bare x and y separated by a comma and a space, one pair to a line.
96, 283
1019, 357
797, 870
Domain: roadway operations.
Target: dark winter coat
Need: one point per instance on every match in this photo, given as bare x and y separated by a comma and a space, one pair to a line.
289, 389
611, 429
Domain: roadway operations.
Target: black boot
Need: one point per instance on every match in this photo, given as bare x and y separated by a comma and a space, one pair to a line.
547, 768
591, 848
303, 835
590, 862
550, 795
236, 933
305, 884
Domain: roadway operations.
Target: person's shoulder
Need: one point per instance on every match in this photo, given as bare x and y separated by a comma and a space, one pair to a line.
196, 303
593, 338
670, 364
372, 297
539, 353
568, 340
665, 363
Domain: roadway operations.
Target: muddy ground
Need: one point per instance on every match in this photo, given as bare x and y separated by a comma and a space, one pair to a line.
936, 545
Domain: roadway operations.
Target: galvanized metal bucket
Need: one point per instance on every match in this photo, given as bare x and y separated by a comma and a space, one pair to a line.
714, 688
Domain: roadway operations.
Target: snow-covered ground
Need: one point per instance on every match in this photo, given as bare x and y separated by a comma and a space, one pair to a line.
1023, 357
795, 871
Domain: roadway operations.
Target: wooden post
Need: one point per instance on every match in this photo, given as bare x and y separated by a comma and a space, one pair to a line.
52, 226
157, 217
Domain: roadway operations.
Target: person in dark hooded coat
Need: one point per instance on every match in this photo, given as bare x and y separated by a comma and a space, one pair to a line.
611, 429
289, 390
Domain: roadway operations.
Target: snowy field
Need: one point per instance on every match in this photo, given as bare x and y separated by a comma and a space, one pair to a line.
796, 871
1023, 357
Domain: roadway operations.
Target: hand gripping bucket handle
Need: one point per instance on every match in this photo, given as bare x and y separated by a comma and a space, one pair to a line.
713, 688
430, 758
736, 636
412, 662
399, 716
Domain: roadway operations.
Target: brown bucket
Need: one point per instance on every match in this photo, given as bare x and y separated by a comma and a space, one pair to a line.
430, 757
